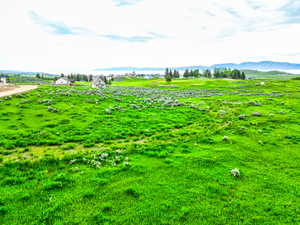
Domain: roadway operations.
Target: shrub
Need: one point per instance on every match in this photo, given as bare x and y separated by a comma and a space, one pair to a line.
52, 185
68, 146
3, 210
88, 144
106, 207
99, 218
13, 180
132, 191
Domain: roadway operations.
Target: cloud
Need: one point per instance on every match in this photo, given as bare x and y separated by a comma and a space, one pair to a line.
58, 28
126, 2
255, 5
143, 33
233, 12
114, 37
291, 12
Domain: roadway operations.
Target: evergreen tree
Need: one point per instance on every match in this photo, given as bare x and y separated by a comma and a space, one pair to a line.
168, 75
186, 74
207, 73
243, 76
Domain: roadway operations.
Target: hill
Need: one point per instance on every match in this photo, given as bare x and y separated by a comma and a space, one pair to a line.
263, 65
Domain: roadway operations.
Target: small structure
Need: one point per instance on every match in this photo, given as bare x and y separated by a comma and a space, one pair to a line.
99, 82
63, 81
3, 80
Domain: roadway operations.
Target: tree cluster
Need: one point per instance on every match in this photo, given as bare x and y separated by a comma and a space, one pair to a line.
216, 73
228, 73
43, 76
170, 74
78, 77
192, 73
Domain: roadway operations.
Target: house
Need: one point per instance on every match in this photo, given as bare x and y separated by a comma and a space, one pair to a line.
3, 80
98, 82
63, 81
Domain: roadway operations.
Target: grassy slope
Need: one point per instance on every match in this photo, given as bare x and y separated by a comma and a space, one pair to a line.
269, 74
179, 165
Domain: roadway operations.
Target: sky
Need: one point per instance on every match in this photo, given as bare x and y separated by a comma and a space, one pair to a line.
82, 35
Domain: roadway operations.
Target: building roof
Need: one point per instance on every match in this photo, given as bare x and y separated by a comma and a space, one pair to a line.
63, 78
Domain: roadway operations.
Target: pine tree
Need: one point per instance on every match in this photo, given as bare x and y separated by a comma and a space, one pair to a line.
186, 74
168, 75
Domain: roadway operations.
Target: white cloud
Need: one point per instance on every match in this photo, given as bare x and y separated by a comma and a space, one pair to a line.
110, 33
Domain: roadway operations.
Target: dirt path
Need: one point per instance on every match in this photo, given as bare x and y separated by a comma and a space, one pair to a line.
12, 90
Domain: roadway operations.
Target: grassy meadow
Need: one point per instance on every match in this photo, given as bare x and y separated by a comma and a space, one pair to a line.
151, 152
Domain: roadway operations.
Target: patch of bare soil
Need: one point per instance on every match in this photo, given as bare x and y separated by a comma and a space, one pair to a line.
7, 90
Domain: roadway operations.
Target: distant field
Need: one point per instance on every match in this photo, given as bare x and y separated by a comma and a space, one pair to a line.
179, 83
149, 152
270, 74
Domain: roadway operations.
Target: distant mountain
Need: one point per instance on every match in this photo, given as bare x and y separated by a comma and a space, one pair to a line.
263, 65
141, 69
130, 69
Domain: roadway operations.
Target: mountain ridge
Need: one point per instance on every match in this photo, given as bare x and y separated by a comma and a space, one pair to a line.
261, 65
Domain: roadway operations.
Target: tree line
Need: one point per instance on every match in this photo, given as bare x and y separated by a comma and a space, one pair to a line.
216, 73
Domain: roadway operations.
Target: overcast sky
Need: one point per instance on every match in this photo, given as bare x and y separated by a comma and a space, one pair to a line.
82, 35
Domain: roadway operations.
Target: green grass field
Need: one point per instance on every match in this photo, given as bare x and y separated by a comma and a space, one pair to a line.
269, 74
149, 152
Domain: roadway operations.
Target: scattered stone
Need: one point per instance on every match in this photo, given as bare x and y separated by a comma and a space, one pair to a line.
75, 169
256, 114
50, 109
260, 84
260, 142
108, 111
225, 138
73, 161
254, 104
222, 112
242, 116
235, 172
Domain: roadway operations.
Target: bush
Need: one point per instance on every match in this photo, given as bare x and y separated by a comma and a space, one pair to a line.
68, 146
3, 210
132, 191
13, 180
52, 185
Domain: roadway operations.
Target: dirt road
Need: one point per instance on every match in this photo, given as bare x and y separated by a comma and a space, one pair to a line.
12, 90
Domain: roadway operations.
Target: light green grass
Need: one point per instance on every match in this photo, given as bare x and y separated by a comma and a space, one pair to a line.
178, 168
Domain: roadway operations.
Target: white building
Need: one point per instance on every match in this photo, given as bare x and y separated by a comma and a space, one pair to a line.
98, 82
63, 81
3, 80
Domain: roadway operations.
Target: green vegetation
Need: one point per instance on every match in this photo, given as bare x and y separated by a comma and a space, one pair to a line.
217, 73
152, 152
254, 74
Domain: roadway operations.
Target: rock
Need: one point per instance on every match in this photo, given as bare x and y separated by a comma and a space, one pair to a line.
222, 112
235, 172
260, 84
254, 103
256, 114
225, 138
242, 116
75, 169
